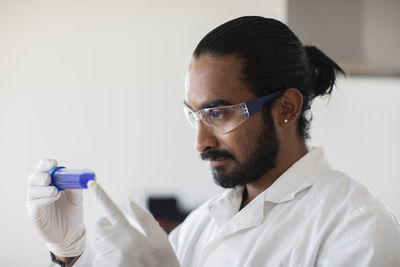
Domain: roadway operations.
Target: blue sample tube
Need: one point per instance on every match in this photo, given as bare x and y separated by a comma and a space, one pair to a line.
64, 178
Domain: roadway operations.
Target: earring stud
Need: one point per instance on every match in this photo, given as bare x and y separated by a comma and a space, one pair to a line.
285, 121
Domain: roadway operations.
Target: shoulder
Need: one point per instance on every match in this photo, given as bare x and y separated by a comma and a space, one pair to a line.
356, 219
339, 190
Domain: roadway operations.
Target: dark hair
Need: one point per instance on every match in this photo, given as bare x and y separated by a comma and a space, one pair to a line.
273, 58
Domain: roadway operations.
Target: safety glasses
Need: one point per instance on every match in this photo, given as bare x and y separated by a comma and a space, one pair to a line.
222, 120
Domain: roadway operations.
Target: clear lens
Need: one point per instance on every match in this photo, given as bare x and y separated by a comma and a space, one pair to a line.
219, 119
225, 119
191, 116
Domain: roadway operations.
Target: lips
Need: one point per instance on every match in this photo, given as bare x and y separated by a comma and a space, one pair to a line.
218, 162
216, 158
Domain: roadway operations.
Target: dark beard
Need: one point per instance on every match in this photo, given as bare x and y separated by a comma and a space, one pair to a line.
259, 161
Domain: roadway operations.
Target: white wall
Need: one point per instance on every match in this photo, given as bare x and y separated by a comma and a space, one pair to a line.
99, 84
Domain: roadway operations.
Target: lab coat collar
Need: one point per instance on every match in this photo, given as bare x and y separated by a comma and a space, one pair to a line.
226, 206
300, 176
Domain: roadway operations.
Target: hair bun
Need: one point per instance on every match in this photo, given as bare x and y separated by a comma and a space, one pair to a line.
323, 71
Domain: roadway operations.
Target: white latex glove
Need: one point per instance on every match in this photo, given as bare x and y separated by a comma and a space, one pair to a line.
118, 243
56, 215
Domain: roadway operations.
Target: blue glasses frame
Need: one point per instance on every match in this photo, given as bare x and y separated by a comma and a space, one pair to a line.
253, 106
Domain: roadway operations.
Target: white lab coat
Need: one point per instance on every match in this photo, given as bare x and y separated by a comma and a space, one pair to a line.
311, 216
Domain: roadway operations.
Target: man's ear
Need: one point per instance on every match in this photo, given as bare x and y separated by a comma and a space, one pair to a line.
289, 106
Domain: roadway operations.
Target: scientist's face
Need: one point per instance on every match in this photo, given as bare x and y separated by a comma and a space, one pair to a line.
244, 154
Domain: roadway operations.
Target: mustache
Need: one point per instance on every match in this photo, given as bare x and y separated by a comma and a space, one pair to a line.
215, 155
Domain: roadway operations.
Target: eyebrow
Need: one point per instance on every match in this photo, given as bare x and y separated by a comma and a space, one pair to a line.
211, 104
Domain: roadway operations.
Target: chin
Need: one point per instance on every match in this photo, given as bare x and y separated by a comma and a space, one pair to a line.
235, 178
225, 180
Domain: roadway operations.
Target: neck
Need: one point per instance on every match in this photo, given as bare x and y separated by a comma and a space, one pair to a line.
286, 157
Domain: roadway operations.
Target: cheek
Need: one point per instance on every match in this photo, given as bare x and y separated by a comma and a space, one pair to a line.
235, 143
242, 141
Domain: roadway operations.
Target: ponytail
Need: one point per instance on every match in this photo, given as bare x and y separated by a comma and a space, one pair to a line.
323, 71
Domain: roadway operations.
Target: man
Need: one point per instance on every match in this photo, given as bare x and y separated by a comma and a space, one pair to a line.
249, 89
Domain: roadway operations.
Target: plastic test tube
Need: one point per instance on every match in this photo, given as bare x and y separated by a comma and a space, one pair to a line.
64, 178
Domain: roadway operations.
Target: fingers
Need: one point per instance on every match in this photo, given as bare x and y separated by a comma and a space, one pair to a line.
100, 229
46, 165
145, 219
39, 192
40, 197
41, 176
114, 213
105, 242
39, 179
42, 202
39, 203
75, 196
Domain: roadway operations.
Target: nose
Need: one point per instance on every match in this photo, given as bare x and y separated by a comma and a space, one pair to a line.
205, 139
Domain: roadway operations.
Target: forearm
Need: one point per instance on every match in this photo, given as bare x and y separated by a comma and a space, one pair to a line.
83, 260
68, 260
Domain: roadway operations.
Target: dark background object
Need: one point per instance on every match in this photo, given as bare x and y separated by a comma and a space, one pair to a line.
166, 211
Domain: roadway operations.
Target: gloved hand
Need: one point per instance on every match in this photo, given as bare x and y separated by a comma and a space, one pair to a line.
118, 243
56, 215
